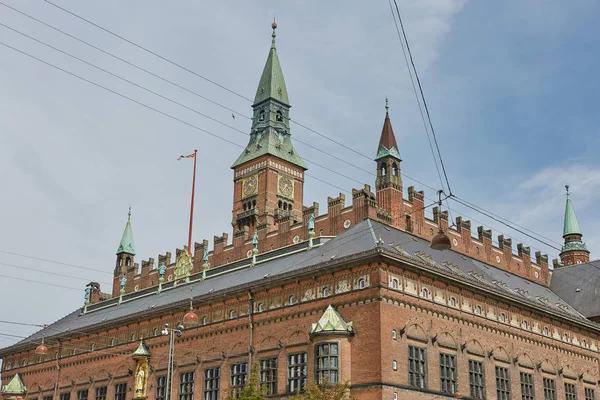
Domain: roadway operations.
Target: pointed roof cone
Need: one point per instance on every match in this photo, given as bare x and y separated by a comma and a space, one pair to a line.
332, 323
141, 352
387, 142
272, 84
570, 226
15, 386
126, 245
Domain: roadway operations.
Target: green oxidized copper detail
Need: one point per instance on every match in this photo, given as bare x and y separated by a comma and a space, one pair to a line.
574, 245
571, 226
15, 386
383, 152
331, 322
126, 245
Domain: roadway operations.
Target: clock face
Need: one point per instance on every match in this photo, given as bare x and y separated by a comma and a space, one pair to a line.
285, 186
249, 186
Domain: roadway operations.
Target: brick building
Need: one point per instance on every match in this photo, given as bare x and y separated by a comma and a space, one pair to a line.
354, 294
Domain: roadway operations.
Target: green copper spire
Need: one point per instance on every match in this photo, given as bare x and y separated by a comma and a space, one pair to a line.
270, 132
571, 226
387, 142
126, 245
272, 84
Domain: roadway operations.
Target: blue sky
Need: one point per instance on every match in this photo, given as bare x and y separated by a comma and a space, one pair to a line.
511, 86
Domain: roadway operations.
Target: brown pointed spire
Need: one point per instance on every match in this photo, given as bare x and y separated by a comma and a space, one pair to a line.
387, 142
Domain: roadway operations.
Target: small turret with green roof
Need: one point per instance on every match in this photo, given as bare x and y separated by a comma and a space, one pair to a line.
126, 250
574, 250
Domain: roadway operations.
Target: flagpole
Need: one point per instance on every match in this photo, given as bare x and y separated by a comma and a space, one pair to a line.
192, 205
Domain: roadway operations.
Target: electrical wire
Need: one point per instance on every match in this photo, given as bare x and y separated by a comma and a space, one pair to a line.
423, 99
51, 261
49, 272
38, 282
143, 48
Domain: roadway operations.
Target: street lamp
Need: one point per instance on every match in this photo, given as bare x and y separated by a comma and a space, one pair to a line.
190, 319
42, 350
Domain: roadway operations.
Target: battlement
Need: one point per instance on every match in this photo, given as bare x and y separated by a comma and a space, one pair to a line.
340, 217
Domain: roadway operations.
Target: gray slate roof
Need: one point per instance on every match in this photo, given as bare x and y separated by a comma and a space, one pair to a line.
360, 238
579, 285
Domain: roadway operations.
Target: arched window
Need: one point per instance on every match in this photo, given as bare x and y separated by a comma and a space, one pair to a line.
525, 325
128, 262
74, 351
584, 343
425, 293
394, 170
394, 334
112, 341
261, 115
321, 232
155, 332
292, 300
261, 307
361, 283
93, 347
279, 116
231, 314
40, 359
545, 331
325, 291
394, 283
452, 302
204, 320
133, 337
566, 337
394, 365
120, 262
502, 317
383, 170
279, 204
478, 310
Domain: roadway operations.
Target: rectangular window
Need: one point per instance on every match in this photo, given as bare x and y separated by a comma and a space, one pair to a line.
448, 376
502, 383
549, 389
47, 398
65, 396
476, 379
417, 367
326, 363
121, 391
186, 386
100, 393
212, 382
590, 393
82, 394
570, 391
268, 375
527, 392
239, 375
297, 372
161, 388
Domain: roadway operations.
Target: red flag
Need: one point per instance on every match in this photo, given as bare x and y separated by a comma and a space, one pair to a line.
190, 156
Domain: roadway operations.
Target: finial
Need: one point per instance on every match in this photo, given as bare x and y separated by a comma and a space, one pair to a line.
129, 213
567, 187
274, 26
387, 106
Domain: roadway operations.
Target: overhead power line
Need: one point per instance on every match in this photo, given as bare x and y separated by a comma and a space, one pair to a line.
49, 272
51, 261
239, 95
41, 283
423, 99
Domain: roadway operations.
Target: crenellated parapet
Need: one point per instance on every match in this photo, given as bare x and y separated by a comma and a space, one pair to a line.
340, 217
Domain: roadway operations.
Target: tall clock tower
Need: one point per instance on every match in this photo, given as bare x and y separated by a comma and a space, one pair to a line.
268, 176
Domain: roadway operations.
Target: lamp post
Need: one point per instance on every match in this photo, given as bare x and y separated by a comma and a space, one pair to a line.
190, 319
